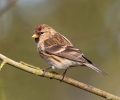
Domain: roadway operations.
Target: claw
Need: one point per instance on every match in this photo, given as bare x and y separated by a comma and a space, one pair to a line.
44, 71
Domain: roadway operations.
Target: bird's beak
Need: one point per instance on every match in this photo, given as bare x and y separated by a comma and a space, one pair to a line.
35, 36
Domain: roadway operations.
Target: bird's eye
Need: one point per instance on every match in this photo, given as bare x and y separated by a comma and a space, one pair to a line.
41, 32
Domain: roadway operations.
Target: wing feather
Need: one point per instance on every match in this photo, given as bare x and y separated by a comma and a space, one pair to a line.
69, 52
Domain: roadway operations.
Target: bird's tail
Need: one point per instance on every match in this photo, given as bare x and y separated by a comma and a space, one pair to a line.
95, 68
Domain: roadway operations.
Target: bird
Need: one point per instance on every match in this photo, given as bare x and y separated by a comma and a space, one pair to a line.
58, 51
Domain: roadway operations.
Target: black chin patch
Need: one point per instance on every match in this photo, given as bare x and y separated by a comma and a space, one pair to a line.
36, 40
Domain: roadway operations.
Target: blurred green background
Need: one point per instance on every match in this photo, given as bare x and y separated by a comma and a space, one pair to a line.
93, 26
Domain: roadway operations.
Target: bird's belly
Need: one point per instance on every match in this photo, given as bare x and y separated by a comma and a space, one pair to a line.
62, 63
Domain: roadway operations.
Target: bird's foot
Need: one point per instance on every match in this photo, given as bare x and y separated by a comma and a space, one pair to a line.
62, 78
45, 70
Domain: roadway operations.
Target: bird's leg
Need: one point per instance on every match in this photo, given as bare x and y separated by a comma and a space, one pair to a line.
63, 75
44, 70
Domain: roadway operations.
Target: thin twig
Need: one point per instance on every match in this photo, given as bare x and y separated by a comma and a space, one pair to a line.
67, 80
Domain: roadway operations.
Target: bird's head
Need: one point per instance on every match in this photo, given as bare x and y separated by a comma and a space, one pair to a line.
43, 32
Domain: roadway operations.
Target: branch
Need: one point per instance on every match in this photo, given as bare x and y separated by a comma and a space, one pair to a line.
39, 72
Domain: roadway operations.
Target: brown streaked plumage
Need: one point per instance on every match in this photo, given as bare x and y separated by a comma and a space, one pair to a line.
56, 39
58, 51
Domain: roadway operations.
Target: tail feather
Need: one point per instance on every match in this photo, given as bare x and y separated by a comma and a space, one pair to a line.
95, 68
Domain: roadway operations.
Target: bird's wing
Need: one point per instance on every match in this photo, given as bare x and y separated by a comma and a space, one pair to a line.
69, 52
